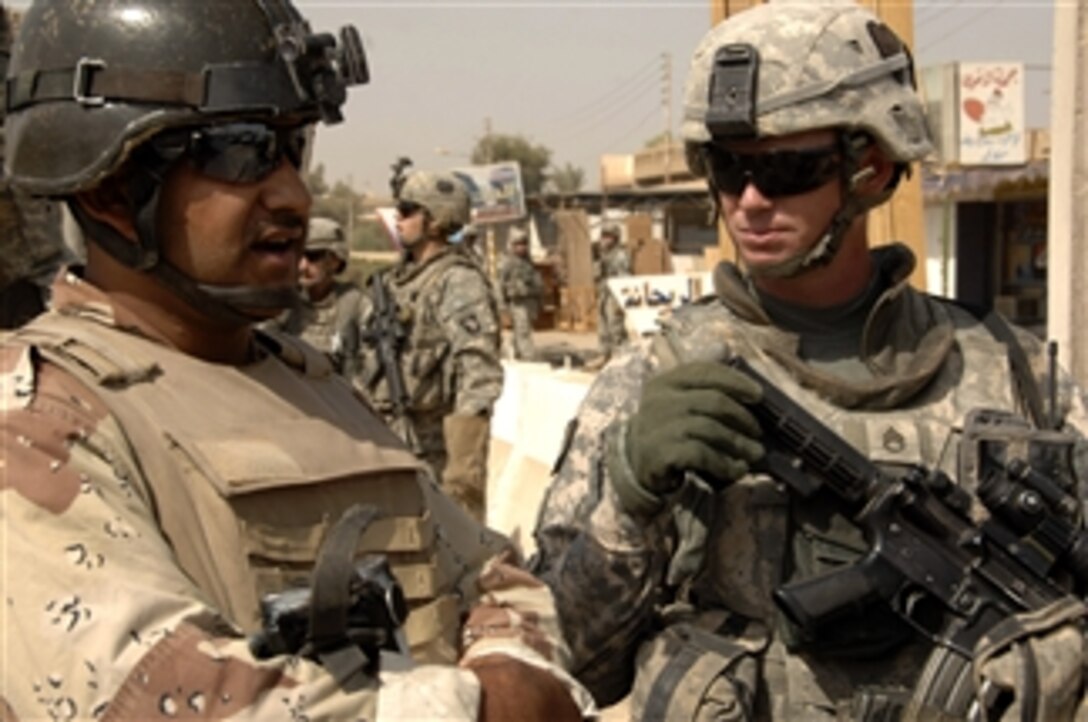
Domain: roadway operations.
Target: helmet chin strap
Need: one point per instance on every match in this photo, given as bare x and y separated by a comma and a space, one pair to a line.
231, 305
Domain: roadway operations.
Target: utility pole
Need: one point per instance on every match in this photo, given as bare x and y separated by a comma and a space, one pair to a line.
489, 151
1067, 270
666, 105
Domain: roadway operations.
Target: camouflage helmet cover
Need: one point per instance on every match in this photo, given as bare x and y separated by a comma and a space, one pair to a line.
325, 234
444, 196
818, 65
518, 235
89, 81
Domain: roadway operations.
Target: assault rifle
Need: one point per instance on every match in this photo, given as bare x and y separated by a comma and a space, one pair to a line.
386, 333
948, 576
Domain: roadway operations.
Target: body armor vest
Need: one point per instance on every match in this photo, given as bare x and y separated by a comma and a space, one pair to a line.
428, 377
759, 537
246, 468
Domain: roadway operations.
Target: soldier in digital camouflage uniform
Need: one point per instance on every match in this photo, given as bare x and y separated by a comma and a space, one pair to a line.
327, 314
662, 537
449, 355
612, 261
166, 463
522, 290
31, 244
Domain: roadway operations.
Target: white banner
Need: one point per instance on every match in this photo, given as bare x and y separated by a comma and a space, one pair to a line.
645, 299
991, 114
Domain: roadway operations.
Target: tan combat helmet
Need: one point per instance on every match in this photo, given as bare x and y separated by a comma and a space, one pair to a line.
443, 195
325, 234
820, 65
782, 68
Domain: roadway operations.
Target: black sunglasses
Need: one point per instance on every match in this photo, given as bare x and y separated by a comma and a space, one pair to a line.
405, 209
235, 152
775, 173
315, 256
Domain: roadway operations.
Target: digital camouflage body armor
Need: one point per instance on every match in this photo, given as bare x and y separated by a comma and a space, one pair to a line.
449, 356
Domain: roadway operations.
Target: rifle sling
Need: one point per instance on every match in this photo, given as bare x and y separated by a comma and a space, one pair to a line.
331, 595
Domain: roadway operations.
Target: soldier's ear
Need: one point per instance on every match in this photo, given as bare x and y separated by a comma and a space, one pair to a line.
108, 204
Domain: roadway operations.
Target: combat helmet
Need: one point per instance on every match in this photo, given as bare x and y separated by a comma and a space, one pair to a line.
325, 234
444, 196
777, 69
90, 83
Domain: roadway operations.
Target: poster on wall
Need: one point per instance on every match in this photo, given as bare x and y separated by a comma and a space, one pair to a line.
991, 114
496, 191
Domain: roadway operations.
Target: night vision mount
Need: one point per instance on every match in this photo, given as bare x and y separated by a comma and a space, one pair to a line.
322, 69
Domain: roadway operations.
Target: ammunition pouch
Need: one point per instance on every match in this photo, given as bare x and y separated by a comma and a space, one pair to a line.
688, 672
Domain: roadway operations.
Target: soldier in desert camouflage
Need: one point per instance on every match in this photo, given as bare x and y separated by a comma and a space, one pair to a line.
166, 464
522, 289
665, 533
448, 358
327, 315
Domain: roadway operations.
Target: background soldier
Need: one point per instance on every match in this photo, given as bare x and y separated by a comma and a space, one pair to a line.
667, 529
327, 315
611, 261
31, 242
446, 361
166, 464
521, 288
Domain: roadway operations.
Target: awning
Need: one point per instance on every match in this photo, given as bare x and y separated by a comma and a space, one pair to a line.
985, 183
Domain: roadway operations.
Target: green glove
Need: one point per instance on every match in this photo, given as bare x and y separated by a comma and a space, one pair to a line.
690, 419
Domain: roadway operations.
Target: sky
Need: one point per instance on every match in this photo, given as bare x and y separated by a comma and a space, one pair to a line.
582, 77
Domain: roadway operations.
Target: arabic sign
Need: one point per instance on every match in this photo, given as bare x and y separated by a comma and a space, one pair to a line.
991, 114
496, 191
645, 299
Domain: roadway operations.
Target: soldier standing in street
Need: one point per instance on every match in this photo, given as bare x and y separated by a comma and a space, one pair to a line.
670, 532
611, 261
327, 315
522, 290
444, 359
167, 464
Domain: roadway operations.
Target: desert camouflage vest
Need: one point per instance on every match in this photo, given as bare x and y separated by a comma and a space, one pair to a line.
247, 467
322, 324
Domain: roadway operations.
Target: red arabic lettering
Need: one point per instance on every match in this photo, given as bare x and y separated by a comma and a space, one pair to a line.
1000, 77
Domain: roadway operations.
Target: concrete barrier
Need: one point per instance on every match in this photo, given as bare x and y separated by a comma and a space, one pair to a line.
527, 432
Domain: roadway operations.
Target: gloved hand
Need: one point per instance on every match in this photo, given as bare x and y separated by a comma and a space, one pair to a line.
690, 418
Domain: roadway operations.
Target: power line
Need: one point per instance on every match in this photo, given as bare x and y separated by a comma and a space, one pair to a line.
631, 98
639, 124
940, 12
954, 29
639, 75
